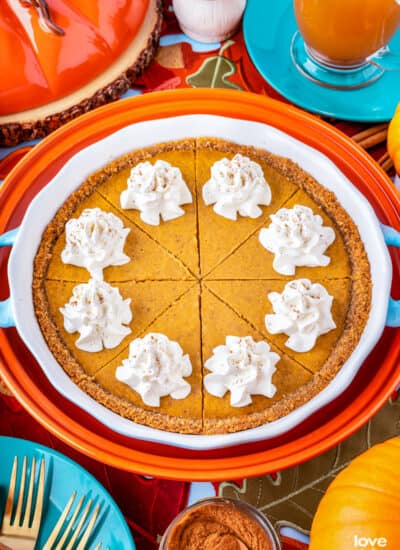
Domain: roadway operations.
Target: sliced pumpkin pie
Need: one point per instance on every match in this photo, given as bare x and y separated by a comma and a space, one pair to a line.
238, 294
178, 236
259, 261
218, 321
179, 323
148, 259
201, 286
220, 236
148, 300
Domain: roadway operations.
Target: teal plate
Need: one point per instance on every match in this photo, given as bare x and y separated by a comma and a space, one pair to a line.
269, 26
63, 476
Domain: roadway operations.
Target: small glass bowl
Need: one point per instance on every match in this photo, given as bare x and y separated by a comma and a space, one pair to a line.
244, 507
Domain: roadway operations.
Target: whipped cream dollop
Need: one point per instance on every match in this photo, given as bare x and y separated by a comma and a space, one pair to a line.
156, 190
302, 312
237, 185
95, 241
243, 367
297, 238
155, 368
98, 312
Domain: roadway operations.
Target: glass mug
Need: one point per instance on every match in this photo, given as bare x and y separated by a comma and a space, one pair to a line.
343, 43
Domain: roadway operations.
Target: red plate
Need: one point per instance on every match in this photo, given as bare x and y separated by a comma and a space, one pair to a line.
370, 389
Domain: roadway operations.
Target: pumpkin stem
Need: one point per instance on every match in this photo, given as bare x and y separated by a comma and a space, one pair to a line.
44, 16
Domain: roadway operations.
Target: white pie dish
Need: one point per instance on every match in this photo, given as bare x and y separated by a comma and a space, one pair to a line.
44, 206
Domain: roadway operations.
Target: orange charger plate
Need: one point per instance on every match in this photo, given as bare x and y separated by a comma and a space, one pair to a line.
370, 389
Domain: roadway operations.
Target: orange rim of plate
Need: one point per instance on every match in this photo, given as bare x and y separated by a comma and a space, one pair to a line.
55, 150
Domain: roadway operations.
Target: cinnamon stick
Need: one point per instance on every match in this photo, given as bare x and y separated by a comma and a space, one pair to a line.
369, 132
372, 139
386, 162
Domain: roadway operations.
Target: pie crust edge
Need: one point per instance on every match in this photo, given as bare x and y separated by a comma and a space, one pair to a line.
358, 311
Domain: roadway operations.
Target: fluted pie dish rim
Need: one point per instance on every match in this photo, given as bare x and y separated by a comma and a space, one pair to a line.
257, 134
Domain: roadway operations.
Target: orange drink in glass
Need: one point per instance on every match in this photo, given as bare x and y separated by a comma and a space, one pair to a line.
345, 33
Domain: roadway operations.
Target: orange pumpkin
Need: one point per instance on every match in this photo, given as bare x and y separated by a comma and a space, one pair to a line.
393, 143
60, 58
361, 508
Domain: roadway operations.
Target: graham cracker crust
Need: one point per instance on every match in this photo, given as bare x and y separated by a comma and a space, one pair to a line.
357, 315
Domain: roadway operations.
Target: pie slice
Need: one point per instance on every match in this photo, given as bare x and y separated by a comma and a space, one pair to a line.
181, 323
258, 261
149, 300
178, 236
239, 294
219, 236
219, 321
149, 260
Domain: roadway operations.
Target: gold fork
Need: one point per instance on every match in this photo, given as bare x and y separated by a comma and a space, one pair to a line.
60, 526
21, 532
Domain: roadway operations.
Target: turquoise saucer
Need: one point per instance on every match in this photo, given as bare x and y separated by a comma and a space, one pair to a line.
269, 27
63, 476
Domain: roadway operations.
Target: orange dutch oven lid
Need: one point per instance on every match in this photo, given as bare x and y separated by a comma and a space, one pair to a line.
370, 389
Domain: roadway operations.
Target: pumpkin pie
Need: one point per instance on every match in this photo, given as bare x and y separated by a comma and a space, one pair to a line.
178, 236
149, 300
200, 278
149, 261
237, 294
248, 253
219, 320
180, 323
219, 237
